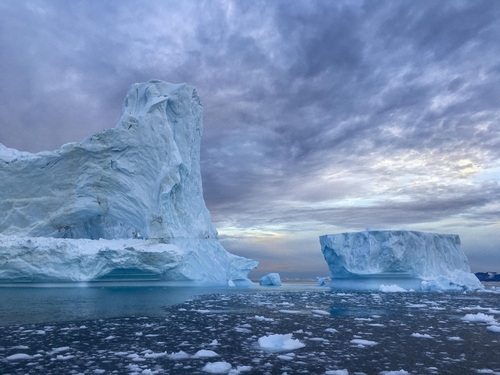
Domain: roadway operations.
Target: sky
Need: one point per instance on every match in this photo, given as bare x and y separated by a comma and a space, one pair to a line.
320, 117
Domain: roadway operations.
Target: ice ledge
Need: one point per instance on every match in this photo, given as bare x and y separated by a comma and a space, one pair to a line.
190, 261
431, 261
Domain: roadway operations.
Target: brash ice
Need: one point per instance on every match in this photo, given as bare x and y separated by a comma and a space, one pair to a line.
125, 198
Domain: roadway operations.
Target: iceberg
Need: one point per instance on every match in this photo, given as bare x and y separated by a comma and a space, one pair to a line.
127, 198
271, 279
409, 259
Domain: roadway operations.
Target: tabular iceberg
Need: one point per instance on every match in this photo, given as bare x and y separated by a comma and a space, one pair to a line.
430, 260
127, 197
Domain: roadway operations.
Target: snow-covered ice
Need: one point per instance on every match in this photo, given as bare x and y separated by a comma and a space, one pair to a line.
125, 198
430, 260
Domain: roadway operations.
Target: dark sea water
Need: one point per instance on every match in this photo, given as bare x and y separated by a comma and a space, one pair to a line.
154, 329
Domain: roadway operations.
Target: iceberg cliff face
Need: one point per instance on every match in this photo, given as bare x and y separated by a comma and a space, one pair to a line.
140, 180
436, 259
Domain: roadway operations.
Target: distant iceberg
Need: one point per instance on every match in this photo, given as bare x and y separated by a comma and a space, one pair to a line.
127, 198
409, 259
271, 279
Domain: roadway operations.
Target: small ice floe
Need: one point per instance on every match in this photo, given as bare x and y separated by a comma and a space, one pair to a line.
479, 317
203, 353
320, 312
64, 357
39, 332
59, 350
421, 335
397, 372
263, 319
289, 311
337, 372
331, 330
495, 329
362, 342
217, 367
153, 355
178, 355
287, 357
242, 330
279, 342
391, 289
455, 338
18, 356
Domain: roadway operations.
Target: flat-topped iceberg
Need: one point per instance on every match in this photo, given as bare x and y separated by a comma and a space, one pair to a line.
368, 259
126, 198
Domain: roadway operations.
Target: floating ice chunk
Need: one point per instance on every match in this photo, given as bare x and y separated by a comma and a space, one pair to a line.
18, 356
331, 330
279, 342
178, 355
263, 319
271, 279
238, 370
203, 353
479, 317
455, 338
421, 335
320, 312
337, 372
363, 342
397, 372
391, 288
217, 367
155, 355
495, 329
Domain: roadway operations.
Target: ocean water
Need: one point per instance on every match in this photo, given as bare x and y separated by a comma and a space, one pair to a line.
154, 329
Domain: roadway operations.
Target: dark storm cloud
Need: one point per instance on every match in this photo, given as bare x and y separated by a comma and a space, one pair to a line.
307, 105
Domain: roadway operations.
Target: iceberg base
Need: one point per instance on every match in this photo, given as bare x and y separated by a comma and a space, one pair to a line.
190, 261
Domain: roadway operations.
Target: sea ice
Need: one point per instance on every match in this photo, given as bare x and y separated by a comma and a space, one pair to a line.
430, 260
127, 198
279, 342
271, 279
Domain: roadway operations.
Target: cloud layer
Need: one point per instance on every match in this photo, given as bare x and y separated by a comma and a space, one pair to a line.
319, 116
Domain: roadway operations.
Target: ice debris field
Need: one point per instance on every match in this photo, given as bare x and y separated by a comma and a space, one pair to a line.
318, 331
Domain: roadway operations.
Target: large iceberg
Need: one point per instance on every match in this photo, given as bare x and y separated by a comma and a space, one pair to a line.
127, 198
411, 259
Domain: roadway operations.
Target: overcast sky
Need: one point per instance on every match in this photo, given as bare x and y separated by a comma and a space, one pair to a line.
319, 116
